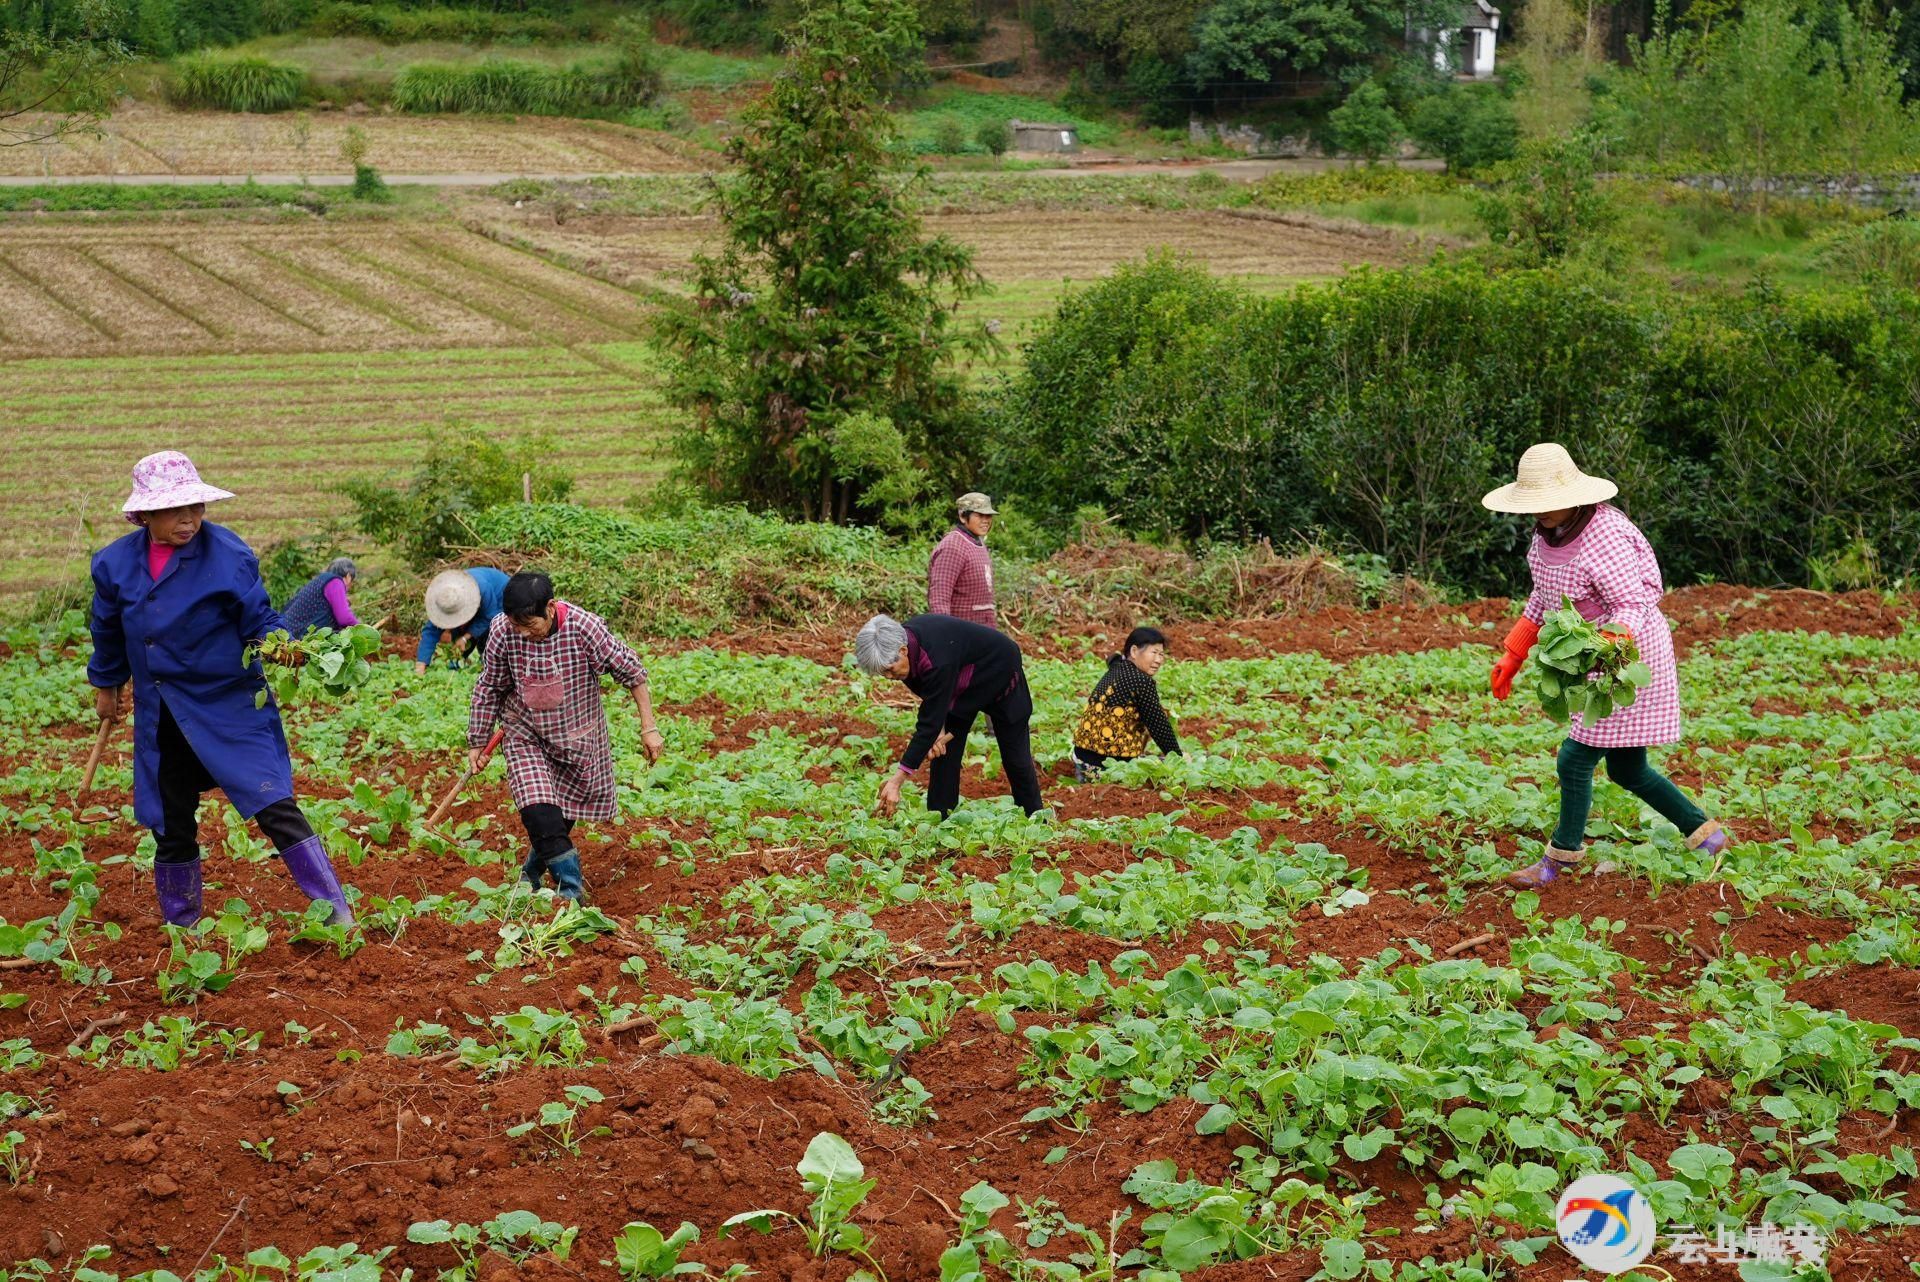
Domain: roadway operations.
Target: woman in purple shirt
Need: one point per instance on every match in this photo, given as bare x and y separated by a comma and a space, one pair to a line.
321, 601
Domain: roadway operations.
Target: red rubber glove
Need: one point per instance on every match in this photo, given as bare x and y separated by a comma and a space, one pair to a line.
1617, 632
1519, 644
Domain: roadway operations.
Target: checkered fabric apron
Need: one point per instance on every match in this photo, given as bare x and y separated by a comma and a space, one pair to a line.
1610, 574
547, 695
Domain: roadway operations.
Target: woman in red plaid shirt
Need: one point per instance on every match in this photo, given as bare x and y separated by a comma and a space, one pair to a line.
541, 680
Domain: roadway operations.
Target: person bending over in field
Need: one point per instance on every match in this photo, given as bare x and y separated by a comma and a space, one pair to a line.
959, 670
1586, 550
461, 606
1124, 710
541, 682
175, 603
321, 601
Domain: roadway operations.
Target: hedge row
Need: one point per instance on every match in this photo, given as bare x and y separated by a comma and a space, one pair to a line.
1760, 437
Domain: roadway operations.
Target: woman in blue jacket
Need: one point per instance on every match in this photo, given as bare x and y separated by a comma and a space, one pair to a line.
461, 605
174, 604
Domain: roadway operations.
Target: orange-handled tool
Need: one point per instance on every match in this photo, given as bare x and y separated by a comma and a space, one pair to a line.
446, 802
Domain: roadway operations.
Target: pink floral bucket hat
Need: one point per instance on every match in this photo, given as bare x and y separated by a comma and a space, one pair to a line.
168, 479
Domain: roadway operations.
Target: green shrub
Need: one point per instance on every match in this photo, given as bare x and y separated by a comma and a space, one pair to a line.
1365, 124
465, 472
949, 136
229, 82
1134, 398
1760, 438
995, 137
1551, 207
397, 24
1886, 252
1470, 127
502, 86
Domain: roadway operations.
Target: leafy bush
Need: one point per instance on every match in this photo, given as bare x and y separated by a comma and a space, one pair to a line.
1366, 124
995, 137
502, 86
949, 136
1471, 127
395, 24
464, 473
1132, 400
1884, 252
225, 82
1552, 206
1754, 438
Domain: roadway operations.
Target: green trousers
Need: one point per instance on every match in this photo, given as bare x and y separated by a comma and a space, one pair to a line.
1627, 767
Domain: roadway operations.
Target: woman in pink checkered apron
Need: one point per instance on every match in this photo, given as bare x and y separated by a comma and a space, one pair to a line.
541, 683
1587, 551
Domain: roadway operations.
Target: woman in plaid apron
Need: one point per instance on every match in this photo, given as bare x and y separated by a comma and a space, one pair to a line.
1586, 550
541, 681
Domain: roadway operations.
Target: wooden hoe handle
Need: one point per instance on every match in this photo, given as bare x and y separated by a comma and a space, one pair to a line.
466, 777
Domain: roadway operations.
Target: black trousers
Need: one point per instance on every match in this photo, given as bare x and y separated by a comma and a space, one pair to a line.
1012, 722
183, 779
549, 831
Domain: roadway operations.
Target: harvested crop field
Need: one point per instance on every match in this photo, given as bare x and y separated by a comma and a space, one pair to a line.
1012, 247
148, 140
172, 287
1284, 955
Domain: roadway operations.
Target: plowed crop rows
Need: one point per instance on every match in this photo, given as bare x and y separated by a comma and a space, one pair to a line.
151, 140
169, 288
1010, 247
1285, 955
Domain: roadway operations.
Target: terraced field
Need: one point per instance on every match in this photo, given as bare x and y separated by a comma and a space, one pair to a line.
279, 428
1013, 248
288, 353
147, 140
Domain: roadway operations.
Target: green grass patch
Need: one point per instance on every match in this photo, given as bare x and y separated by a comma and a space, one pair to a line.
235, 82
683, 68
949, 112
157, 197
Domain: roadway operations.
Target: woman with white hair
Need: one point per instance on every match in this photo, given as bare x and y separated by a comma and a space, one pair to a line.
321, 601
959, 670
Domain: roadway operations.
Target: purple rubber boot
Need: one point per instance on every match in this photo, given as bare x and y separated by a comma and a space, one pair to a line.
307, 864
1710, 839
179, 889
1551, 865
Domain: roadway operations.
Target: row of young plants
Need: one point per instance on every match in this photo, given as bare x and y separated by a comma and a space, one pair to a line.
1435, 1063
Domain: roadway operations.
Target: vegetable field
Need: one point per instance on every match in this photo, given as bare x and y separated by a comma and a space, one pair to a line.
1259, 1012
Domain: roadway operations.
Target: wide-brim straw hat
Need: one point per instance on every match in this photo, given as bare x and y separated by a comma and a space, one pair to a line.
166, 480
1547, 481
453, 598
